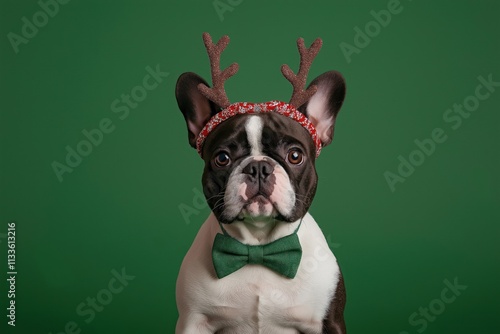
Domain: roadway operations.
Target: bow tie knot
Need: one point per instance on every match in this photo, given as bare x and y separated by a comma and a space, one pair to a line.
255, 254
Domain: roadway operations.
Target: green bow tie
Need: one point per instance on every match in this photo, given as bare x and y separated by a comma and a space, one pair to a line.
282, 255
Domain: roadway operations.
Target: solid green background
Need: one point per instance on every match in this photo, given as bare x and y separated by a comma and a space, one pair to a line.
121, 207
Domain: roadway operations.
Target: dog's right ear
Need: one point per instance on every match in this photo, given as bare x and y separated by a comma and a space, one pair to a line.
195, 107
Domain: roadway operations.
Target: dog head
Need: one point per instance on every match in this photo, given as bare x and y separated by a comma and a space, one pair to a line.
260, 166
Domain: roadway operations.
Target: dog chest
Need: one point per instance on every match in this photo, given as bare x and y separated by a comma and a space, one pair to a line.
257, 299
254, 299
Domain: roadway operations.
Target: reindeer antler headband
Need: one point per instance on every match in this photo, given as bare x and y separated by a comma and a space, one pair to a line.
217, 93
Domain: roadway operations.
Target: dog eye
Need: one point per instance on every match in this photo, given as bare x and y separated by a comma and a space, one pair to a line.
222, 159
295, 157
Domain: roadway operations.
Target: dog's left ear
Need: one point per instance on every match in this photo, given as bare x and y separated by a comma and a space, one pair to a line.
323, 107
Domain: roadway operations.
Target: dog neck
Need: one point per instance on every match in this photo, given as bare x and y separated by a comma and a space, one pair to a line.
259, 231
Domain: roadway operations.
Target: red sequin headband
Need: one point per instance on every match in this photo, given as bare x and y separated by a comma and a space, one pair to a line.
279, 107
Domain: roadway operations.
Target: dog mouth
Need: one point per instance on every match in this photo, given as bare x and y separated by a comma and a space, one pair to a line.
258, 206
259, 190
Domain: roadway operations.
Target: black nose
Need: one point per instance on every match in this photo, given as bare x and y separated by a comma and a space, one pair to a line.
258, 169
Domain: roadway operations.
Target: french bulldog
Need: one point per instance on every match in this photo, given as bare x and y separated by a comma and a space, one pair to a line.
260, 263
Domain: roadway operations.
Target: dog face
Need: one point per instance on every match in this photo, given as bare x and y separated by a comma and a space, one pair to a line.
260, 166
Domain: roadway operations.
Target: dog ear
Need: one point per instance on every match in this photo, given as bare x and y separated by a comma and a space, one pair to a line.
323, 107
195, 107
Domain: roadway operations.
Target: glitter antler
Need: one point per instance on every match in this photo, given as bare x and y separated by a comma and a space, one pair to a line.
298, 81
217, 94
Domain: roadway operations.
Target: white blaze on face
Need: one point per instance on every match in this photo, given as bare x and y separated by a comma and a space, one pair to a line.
282, 198
254, 134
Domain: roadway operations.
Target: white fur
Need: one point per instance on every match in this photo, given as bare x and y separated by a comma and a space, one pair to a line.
318, 115
253, 127
254, 299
